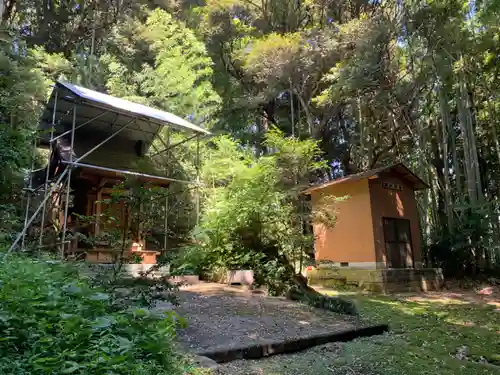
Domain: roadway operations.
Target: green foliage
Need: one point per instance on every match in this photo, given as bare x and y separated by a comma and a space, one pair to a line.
180, 80
267, 60
21, 91
187, 260
141, 208
372, 82
459, 253
336, 304
133, 211
254, 214
21, 86
13, 145
53, 322
166, 66
14, 160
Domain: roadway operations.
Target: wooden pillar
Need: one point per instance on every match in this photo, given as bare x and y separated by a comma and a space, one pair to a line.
98, 209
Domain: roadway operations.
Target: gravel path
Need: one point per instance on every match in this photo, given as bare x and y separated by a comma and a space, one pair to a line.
221, 317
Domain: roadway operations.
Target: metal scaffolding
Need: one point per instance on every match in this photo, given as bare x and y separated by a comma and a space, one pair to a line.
110, 116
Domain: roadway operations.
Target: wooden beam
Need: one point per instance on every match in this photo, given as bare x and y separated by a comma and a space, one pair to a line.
98, 210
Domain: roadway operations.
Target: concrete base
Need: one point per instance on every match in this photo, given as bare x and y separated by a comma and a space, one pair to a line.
185, 280
391, 280
134, 270
243, 277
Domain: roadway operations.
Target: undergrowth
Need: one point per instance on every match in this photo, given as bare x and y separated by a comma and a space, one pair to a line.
53, 322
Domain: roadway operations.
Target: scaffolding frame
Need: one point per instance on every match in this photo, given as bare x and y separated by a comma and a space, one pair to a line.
64, 177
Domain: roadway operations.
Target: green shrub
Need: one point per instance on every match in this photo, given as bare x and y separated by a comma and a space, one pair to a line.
187, 260
254, 216
53, 322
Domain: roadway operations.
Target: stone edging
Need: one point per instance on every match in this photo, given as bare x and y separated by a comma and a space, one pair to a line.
290, 346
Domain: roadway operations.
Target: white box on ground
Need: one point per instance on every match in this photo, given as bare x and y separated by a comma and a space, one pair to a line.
243, 277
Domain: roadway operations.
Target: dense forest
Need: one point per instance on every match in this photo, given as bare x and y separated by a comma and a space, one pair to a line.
337, 87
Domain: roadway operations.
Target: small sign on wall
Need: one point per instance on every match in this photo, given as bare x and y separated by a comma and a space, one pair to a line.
392, 186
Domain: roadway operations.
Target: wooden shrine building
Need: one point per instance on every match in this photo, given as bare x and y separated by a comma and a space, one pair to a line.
95, 141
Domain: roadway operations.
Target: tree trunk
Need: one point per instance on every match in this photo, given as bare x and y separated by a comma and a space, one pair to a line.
445, 127
471, 123
304, 293
493, 127
468, 158
298, 290
438, 165
457, 169
306, 111
7, 8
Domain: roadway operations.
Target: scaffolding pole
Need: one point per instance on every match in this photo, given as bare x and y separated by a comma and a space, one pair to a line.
197, 180
121, 171
175, 145
30, 193
47, 172
75, 161
99, 144
79, 126
166, 145
30, 221
68, 186
71, 164
165, 224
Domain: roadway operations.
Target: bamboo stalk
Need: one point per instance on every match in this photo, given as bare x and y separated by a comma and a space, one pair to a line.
445, 126
468, 163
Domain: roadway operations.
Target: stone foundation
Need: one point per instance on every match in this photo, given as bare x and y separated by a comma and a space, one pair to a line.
135, 270
397, 280
103, 255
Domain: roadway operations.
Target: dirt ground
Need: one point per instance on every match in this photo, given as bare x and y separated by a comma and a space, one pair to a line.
221, 317
483, 296
428, 329
459, 296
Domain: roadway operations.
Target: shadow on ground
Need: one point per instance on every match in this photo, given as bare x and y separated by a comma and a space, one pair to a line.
428, 336
221, 318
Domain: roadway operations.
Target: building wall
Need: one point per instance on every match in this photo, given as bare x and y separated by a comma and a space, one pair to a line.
351, 239
393, 204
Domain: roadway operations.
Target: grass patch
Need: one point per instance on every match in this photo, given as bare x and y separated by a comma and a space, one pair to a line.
424, 339
426, 336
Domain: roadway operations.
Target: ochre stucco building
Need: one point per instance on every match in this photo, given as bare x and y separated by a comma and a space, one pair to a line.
375, 243
377, 224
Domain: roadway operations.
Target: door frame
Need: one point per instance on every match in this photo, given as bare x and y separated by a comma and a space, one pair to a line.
410, 239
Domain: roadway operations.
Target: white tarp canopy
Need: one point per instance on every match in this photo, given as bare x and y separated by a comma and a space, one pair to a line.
105, 114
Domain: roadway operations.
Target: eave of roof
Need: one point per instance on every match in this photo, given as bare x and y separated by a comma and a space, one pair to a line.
97, 113
399, 168
118, 104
